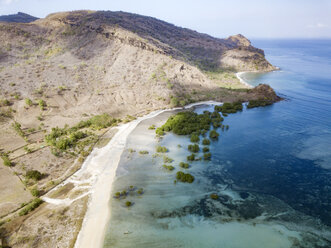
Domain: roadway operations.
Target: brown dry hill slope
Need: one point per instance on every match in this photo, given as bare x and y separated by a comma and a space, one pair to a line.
72, 66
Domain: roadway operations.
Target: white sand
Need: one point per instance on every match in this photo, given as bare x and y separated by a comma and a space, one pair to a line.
99, 170
238, 75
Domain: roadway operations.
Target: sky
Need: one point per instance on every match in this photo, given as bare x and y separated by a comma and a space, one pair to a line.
220, 18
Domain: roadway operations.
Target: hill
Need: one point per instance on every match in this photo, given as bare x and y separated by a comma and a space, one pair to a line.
19, 17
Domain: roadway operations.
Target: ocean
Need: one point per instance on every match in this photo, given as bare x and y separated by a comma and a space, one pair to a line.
271, 170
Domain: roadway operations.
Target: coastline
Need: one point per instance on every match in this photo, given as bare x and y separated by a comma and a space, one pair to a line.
102, 165
238, 75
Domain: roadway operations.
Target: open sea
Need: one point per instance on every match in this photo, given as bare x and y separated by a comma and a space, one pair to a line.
271, 169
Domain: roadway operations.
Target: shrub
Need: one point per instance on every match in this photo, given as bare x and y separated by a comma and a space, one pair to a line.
6, 160
152, 127
117, 195
161, 149
17, 126
194, 148
168, 167
174, 102
184, 165
31, 206
167, 159
191, 157
195, 138
159, 132
213, 134
184, 177
42, 104
35, 192
205, 149
259, 103
214, 196
229, 107
4, 102
206, 142
128, 204
33, 174
143, 152
28, 101
207, 156
185, 123
140, 191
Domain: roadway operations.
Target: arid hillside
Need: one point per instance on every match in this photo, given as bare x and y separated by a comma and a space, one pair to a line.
66, 71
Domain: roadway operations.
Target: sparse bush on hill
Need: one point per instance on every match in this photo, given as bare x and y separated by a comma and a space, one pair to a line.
6, 160
33, 174
31, 206
42, 104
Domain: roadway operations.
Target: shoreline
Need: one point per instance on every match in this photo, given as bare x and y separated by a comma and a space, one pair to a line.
238, 75
102, 165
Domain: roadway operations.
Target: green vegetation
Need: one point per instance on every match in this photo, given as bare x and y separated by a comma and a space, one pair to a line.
35, 192
168, 167
17, 126
194, 138
194, 148
143, 152
207, 156
65, 138
152, 127
205, 149
140, 191
161, 149
167, 160
27, 149
31, 206
28, 102
42, 104
185, 123
213, 134
6, 160
98, 122
184, 177
206, 142
191, 157
4, 102
259, 103
214, 196
33, 174
229, 108
184, 165
128, 203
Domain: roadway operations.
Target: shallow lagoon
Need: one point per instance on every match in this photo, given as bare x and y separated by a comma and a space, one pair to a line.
270, 169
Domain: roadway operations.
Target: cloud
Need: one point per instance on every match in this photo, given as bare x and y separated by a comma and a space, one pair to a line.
317, 25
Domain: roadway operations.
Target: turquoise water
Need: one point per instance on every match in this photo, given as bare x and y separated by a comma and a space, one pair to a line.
271, 169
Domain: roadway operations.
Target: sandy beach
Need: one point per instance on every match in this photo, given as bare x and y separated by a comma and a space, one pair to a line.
100, 170
238, 75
